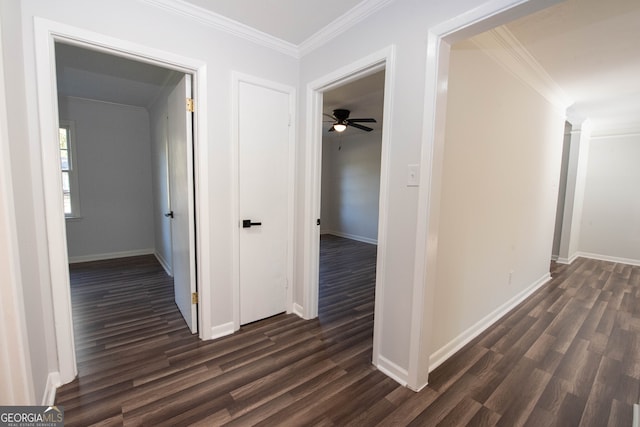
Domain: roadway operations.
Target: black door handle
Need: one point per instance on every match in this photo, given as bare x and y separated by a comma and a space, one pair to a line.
169, 214
246, 223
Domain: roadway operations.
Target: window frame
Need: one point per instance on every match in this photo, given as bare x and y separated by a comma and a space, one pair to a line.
72, 171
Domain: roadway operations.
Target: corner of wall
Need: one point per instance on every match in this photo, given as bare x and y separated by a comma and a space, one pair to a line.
53, 382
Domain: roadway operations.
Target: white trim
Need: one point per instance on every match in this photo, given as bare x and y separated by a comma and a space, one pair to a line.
53, 382
351, 237
46, 32
110, 255
163, 262
358, 13
505, 49
600, 257
561, 260
228, 25
290, 91
449, 349
298, 310
383, 59
17, 386
223, 330
619, 131
392, 370
482, 18
219, 22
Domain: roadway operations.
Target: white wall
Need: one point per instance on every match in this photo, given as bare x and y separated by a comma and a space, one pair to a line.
610, 227
27, 203
351, 184
16, 387
503, 148
113, 150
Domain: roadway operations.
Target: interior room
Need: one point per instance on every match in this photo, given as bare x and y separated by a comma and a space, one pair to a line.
505, 227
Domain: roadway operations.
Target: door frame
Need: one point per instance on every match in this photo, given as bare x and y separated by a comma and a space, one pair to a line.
46, 33
439, 40
290, 91
381, 60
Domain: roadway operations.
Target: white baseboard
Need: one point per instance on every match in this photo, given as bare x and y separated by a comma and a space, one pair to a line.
567, 261
298, 310
351, 237
439, 356
223, 330
554, 257
163, 262
110, 255
53, 382
600, 257
390, 369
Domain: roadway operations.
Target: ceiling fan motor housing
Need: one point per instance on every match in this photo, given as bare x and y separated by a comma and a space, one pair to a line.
341, 114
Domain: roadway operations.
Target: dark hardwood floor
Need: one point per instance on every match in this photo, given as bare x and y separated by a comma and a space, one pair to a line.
569, 355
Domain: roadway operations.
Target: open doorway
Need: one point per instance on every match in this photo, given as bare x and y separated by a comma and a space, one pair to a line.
350, 193
127, 163
112, 67
381, 61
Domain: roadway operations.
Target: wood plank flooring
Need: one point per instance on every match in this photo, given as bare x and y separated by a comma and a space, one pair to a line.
569, 355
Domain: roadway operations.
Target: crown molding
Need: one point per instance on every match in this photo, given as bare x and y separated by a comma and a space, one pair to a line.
347, 20
228, 25
220, 22
504, 48
616, 130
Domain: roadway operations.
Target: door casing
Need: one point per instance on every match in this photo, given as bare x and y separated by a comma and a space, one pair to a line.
46, 34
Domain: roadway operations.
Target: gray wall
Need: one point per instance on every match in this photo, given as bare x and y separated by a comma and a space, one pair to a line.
351, 184
113, 150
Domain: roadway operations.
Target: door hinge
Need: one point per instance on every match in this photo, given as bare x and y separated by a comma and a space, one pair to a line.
190, 106
194, 298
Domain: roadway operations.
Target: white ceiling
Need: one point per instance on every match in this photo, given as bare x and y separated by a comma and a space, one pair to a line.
590, 48
293, 21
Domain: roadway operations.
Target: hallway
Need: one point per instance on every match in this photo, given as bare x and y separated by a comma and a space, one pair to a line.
568, 355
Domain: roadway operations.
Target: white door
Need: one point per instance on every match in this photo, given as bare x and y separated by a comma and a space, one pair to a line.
263, 134
181, 200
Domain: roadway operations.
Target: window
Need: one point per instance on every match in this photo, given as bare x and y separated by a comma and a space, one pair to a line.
69, 170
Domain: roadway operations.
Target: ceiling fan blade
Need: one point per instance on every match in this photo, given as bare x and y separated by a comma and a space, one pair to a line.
369, 120
330, 116
365, 128
331, 129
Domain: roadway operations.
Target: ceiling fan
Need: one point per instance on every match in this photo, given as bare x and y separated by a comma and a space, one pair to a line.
342, 120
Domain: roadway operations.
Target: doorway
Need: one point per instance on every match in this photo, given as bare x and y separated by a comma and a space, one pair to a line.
130, 133
375, 63
350, 193
47, 34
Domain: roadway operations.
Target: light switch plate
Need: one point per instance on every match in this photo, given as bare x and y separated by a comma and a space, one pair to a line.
413, 175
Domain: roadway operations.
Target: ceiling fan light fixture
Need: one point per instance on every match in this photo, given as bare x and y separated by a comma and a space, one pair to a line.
339, 127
